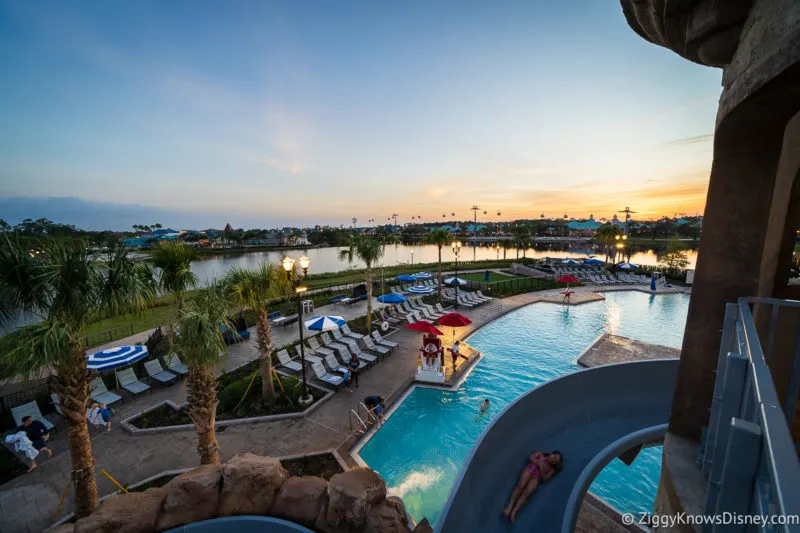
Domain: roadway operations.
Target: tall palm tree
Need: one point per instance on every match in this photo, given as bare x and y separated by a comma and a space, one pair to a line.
370, 252
521, 233
174, 261
254, 289
506, 244
440, 237
607, 236
68, 287
202, 345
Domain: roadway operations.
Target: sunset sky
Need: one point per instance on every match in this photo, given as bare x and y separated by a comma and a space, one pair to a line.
270, 113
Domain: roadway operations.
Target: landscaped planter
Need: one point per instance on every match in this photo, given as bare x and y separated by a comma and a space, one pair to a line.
129, 424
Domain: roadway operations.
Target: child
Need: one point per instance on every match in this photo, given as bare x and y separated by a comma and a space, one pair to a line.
348, 381
483, 408
105, 413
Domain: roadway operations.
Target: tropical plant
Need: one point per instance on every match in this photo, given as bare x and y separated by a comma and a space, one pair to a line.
68, 287
607, 236
176, 277
201, 344
370, 252
441, 238
674, 258
506, 244
521, 236
254, 289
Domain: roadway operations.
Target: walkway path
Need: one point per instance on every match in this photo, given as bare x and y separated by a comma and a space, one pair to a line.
28, 502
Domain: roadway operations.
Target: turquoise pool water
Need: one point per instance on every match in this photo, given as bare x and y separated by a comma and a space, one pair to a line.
421, 447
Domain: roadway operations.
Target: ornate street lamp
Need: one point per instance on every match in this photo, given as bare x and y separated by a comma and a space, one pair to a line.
288, 266
456, 246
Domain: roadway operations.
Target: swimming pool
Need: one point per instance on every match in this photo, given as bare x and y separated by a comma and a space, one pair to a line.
422, 446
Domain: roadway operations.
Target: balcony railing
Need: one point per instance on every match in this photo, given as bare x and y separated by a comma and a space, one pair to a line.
748, 453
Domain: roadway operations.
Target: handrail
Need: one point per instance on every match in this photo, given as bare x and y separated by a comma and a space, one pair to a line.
748, 450
361, 424
370, 414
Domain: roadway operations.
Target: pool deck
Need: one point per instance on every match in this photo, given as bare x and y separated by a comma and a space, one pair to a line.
610, 349
27, 503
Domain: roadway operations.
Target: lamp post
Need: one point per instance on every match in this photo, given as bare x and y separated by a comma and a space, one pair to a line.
456, 246
621, 243
288, 267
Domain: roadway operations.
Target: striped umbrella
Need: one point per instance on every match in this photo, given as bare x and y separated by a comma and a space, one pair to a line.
116, 357
627, 266
421, 289
455, 281
422, 275
324, 323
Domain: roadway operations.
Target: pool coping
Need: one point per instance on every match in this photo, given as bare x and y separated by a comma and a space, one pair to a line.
355, 450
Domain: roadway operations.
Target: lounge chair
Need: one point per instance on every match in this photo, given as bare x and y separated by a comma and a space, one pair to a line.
100, 393
337, 335
346, 356
384, 342
479, 293
128, 381
334, 365
380, 350
323, 375
30, 409
385, 316
333, 345
176, 366
442, 309
313, 344
287, 362
346, 330
154, 370
56, 403
368, 357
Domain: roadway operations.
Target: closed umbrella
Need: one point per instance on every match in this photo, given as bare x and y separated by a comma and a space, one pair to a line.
324, 323
391, 298
115, 357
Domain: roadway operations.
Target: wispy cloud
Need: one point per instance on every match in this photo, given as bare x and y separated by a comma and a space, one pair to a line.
695, 139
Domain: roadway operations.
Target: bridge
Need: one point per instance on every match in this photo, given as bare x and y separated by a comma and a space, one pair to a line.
546, 239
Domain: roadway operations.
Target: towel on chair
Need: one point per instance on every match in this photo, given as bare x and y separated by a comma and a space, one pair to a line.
22, 444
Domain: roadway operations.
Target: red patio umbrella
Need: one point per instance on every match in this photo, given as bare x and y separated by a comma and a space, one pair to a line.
453, 320
423, 326
568, 279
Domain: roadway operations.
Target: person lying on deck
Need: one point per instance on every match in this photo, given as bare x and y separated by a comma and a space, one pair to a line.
541, 467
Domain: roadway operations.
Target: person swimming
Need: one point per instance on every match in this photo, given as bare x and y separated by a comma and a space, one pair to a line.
483, 408
540, 468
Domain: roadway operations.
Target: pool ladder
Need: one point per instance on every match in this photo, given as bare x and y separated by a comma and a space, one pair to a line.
362, 424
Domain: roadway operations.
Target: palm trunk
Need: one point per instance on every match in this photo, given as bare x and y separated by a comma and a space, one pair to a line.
504, 253
264, 334
439, 275
369, 299
202, 410
72, 386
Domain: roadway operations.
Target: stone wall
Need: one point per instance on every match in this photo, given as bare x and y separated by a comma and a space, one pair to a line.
353, 501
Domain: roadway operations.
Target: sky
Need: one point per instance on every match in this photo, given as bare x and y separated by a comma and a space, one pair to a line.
271, 113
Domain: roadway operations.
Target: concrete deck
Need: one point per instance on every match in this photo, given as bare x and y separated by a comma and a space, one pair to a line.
28, 502
609, 349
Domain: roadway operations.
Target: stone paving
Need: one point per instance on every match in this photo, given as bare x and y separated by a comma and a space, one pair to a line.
28, 502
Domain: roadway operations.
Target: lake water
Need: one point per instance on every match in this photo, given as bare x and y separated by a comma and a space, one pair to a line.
327, 259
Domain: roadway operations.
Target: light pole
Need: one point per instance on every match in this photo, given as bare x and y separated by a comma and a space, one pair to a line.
288, 267
621, 244
456, 246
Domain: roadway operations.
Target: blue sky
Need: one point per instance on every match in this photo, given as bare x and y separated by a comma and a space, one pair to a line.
272, 113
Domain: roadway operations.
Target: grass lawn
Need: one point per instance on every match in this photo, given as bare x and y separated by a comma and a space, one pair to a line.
118, 327
493, 276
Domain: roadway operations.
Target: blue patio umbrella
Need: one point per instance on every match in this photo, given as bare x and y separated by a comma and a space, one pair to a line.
116, 357
421, 289
593, 262
421, 275
405, 277
455, 281
628, 266
569, 262
391, 298
324, 323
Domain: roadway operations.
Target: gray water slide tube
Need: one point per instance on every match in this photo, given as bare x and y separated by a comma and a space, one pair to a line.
590, 416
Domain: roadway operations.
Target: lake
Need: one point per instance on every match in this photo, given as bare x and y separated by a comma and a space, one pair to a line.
327, 259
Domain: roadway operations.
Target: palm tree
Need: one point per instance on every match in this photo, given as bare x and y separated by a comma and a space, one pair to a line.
254, 290
440, 237
607, 236
174, 261
506, 244
69, 287
201, 344
370, 252
520, 233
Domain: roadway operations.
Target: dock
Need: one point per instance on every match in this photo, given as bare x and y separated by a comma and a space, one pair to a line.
609, 349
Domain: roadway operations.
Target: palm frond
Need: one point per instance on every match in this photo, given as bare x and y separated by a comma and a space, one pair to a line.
200, 340
174, 260
30, 350
126, 287
21, 290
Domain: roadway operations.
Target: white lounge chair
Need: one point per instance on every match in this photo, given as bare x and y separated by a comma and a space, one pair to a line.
154, 370
175, 365
370, 345
346, 356
368, 357
323, 375
337, 335
334, 365
346, 330
484, 296
287, 362
30, 409
317, 349
101, 394
376, 336
334, 345
56, 403
128, 381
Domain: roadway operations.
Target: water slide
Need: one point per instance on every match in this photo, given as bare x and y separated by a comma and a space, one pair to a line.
590, 416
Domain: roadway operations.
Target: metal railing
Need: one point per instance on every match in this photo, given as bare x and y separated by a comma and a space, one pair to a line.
361, 427
747, 451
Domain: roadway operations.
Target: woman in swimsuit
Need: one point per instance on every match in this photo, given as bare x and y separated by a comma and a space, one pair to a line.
542, 467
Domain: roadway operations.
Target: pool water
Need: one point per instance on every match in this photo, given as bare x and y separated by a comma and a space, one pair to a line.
422, 446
